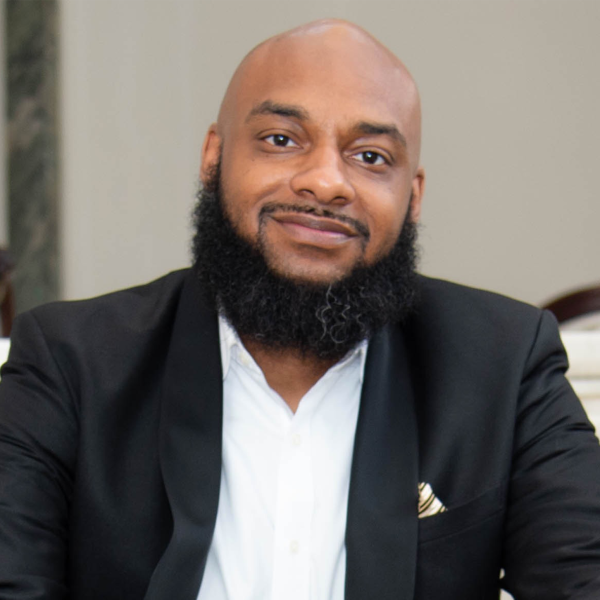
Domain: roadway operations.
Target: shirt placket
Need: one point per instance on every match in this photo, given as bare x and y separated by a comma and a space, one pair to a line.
294, 510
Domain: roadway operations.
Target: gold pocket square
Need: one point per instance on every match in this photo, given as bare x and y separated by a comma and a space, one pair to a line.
429, 503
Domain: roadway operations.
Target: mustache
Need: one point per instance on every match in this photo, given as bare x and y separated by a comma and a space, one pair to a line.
272, 207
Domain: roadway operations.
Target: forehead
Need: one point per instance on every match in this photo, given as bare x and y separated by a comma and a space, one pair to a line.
333, 79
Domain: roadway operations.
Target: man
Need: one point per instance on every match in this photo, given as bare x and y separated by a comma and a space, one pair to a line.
300, 415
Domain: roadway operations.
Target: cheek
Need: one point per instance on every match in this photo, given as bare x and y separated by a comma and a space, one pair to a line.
387, 219
236, 191
245, 188
248, 185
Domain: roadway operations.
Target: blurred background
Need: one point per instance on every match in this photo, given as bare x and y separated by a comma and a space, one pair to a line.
105, 104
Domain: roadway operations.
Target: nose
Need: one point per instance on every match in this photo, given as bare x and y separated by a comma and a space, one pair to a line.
323, 176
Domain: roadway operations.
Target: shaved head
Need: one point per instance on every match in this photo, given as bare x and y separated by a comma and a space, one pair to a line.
312, 191
326, 46
321, 120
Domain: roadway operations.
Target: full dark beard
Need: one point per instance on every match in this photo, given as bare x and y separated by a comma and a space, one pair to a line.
322, 320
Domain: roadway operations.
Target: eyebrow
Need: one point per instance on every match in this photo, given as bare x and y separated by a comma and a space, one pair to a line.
268, 107
381, 129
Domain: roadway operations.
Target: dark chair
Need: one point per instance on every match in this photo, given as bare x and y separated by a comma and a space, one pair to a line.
7, 299
583, 305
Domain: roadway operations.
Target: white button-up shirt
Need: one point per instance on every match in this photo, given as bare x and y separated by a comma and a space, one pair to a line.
281, 520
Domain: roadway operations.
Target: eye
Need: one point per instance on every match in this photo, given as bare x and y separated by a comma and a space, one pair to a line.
280, 140
371, 158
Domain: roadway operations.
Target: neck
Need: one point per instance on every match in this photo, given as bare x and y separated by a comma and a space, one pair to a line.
288, 372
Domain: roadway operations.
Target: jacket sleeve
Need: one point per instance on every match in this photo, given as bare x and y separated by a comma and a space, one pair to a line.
38, 443
552, 531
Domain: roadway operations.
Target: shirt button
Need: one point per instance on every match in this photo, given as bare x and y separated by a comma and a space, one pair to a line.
296, 439
294, 547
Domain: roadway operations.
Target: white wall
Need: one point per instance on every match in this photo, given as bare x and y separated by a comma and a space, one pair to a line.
510, 92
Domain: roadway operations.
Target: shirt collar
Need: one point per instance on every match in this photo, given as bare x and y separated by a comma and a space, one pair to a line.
229, 340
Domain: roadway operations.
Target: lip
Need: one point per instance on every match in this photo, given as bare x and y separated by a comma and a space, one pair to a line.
313, 231
320, 224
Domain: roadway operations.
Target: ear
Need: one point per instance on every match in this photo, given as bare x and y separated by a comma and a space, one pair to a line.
417, 190
211, 151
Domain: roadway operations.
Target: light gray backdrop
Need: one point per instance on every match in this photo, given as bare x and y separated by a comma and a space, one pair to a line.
511, 127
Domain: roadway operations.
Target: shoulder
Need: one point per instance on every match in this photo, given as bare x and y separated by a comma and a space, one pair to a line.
135, 309
449, 314
464, 305
111, 329
446, 296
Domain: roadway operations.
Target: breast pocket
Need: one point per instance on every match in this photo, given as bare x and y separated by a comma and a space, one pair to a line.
459, 552
464, 516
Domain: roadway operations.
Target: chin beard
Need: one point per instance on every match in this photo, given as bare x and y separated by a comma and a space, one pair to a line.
322, 320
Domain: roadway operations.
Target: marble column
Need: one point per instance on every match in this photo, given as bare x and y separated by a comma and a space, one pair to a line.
31, 36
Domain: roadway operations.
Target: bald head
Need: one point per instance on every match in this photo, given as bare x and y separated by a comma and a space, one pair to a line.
329, 52
323, 121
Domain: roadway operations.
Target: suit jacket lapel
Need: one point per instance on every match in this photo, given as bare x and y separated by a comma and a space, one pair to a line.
190, 433
381, 532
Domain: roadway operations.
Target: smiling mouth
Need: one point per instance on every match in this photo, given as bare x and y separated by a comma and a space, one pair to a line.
324, 225
321, 222
314, 230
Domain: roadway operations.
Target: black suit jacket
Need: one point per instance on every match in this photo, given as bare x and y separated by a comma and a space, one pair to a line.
110, 452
